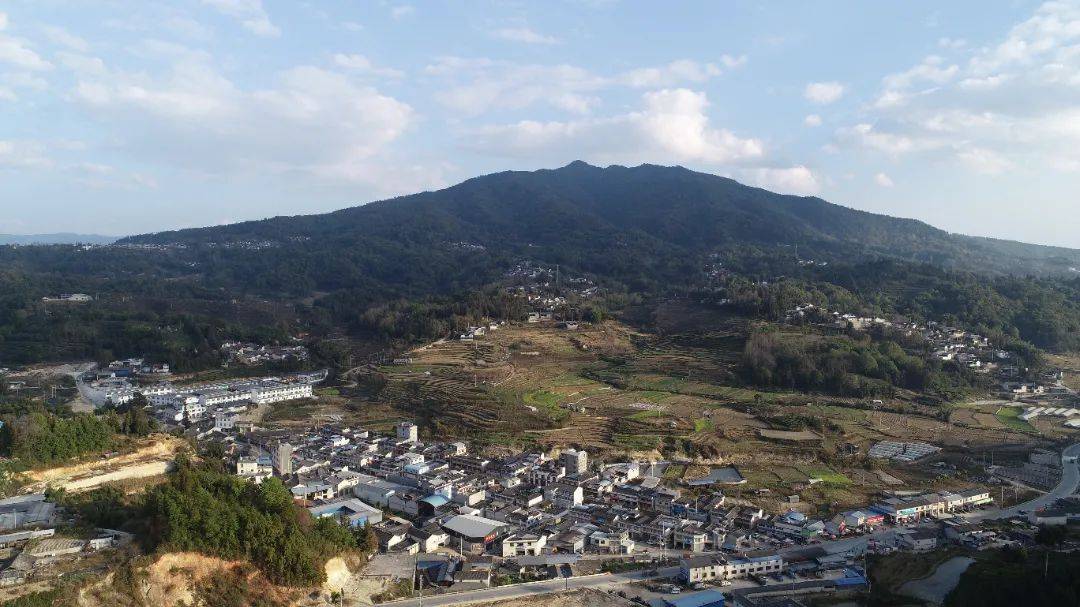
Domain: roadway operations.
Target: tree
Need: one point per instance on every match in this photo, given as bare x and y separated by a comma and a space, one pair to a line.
366, 540
1051, 535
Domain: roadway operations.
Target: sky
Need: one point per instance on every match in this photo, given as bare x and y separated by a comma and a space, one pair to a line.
128, 117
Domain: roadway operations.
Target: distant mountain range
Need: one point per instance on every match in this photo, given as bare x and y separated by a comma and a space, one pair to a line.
58, 238
639, 225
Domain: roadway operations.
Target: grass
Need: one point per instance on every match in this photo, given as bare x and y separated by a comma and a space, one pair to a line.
704, 425
292, 411
829, 476
644, 416
637, 442
541, 398
1010, 417
548, 403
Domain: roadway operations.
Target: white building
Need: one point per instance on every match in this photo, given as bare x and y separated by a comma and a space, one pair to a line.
521, 544
718, 567
223, 420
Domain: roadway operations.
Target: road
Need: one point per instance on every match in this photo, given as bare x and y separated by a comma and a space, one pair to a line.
1070, 481
502, 593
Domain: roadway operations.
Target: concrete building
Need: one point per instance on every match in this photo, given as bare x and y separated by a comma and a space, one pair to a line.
407, 431
575, 461
718, 567
283, 459
520, 544
353, 511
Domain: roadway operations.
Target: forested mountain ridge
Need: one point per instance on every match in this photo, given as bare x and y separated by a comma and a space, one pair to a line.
591, 218
427, 264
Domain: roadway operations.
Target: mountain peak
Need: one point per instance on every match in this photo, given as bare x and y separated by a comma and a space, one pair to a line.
578, 165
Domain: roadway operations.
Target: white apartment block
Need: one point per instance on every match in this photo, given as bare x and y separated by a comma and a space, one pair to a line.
712, 568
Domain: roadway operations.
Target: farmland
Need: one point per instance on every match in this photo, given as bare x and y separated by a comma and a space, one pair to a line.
665, 394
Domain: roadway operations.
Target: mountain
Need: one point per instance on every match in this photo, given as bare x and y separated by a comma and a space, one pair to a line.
638, 225
58, 238
418, 267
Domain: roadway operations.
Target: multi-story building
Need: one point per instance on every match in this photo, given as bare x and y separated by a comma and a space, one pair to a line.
700, 569
407, 431
283, 458
575, 461
564, 495
520, 544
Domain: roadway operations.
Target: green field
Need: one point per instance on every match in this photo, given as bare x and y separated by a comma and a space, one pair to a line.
1010, 416
704, 425
828, 476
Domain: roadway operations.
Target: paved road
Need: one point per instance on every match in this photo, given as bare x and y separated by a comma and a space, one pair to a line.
501, 593
1070, 481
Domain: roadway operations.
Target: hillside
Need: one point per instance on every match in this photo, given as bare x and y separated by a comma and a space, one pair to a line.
636, 225
426, 265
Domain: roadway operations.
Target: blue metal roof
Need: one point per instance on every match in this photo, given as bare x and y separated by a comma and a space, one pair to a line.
436, 500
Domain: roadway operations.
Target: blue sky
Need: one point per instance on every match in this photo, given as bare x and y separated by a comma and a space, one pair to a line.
125, 117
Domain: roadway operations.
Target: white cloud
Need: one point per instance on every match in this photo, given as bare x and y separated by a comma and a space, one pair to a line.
1012, 104
351, 26
104, 176
251, 14
732, 62
361, 64
984, 161
524, 35
823, 92
951, 43
21, 154
682, 70
82, 65
793, 180
883, 180
401, 11
897, 87
932, 69
17, 52
893, 144
812, 120
62, 37
671, 127
311, 120
474, 86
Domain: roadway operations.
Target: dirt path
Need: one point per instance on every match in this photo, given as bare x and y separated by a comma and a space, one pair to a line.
151, 459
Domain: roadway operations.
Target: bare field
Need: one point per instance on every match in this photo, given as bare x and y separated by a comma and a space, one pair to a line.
152, 458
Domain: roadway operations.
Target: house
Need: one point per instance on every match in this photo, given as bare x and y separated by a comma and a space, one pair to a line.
520, 544
429, 538
476, 531
392, 536
564, 495
920, 540
355, 512
23, 510
690, 537
612, 542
